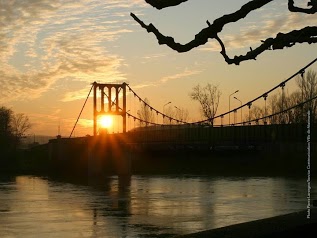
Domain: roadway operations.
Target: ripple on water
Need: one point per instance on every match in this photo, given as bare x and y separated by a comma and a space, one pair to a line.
146, 206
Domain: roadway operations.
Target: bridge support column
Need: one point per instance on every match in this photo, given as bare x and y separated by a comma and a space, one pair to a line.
124, 163
95, 108
107, 155
124, 112
114, 108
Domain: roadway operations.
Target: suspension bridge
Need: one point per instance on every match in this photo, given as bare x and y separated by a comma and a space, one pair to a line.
290, 128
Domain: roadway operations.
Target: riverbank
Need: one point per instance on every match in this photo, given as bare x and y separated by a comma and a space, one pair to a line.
26, 161
290, 225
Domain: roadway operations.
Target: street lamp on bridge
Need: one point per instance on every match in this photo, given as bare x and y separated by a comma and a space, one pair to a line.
229, 103
240, 105
163, 109
180, 112
166, 105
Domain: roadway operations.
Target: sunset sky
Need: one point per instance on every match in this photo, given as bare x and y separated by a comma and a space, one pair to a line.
51, 52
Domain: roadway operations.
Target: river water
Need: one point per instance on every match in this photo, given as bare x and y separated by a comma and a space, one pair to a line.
144, 206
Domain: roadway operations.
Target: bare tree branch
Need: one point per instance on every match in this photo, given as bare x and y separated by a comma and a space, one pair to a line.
311, 10
307, 34
209, 32
160, 4
282, 40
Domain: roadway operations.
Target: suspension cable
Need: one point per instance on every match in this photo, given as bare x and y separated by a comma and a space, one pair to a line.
156, 111
280, 112
299, 72
81, 111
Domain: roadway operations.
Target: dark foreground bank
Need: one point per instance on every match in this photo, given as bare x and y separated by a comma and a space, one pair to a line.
228, 163
290, 225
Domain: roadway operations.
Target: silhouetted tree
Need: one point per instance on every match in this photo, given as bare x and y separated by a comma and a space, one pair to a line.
274, 107
145, 113
12, 129
177, 113
307, 84
5, 119
181, 114
6, 135
20, 124
292, 116
281, 40
170, 112
307, 89
255, 112
208, 97
277, 103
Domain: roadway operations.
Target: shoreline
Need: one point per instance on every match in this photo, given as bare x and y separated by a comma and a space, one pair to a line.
289, 225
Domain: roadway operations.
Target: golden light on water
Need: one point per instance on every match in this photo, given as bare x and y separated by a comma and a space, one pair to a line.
106, 122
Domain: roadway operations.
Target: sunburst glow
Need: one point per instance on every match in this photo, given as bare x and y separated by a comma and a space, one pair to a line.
105, 121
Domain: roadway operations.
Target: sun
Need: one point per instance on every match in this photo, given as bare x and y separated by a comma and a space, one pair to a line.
106, 121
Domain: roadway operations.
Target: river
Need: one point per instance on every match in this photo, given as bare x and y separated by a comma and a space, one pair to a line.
144, 206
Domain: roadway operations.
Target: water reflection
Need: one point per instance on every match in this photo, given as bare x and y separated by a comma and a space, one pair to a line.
141, 206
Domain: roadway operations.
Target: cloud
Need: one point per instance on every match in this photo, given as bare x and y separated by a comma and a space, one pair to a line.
144, 85
86, 122
186, 73
85, 66
42, 41
154, 56
183, 74
76, 95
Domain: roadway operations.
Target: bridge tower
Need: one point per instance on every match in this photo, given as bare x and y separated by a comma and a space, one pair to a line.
113, 103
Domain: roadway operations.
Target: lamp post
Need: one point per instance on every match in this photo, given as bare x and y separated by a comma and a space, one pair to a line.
241, 107
180, 111
163, 109
229, 103
166, 105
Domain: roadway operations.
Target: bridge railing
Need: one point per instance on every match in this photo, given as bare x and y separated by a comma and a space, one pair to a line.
233, 134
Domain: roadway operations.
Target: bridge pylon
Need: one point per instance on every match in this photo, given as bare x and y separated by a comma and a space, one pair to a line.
114, 105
